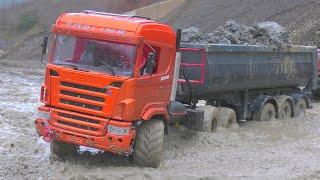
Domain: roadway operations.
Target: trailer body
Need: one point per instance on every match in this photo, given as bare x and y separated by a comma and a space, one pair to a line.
229, 73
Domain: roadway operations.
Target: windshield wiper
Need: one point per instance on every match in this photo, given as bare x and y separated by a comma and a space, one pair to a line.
73, 66
106, 65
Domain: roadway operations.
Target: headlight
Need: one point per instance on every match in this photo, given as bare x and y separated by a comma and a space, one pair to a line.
43, 115
118, 130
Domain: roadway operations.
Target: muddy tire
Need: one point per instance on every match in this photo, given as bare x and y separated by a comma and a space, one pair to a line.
285, 110
301, 108
227, 118
211, 116
61, 149
149, 144
267, 113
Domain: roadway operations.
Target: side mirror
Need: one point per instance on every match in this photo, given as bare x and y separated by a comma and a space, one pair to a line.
44, 46
151, 63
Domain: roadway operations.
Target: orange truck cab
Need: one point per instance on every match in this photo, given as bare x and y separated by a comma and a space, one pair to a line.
106, 75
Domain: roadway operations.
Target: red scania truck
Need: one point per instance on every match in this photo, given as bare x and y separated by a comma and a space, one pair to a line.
115, 83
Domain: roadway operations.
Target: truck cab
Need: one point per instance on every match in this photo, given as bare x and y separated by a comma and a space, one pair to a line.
106, 75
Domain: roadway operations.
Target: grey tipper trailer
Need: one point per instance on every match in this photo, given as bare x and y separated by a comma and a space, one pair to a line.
247, 78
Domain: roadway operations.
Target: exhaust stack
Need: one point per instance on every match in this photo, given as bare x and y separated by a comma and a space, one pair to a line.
176, 67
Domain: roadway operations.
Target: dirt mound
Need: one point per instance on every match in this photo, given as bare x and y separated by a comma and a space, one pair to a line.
29, 48
301, 18
266, 33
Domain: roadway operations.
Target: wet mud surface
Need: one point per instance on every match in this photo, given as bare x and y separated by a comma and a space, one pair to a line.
281, 148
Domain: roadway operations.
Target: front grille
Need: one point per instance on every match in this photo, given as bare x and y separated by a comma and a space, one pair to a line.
77, 125
83, 105
79, 122
84, 87
79, 118
83, 96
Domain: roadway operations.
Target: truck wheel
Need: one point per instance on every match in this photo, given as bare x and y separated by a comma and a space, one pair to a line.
62, 149
267, 113
285, 110
227, 118
301, 108
149, 143
210, 120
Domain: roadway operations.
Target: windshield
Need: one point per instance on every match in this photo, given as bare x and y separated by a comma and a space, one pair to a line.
94, 55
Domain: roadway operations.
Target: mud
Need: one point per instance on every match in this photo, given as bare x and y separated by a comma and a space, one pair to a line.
266, 33
281, 148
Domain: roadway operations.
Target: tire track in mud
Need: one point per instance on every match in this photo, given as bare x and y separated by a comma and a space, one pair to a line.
282, 148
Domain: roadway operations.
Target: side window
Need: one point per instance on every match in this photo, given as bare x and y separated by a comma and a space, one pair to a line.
146, 50
165, 60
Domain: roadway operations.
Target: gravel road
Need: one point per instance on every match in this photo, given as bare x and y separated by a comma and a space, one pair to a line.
287, 149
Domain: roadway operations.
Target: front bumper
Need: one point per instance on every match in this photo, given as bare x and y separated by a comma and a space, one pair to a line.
47, 127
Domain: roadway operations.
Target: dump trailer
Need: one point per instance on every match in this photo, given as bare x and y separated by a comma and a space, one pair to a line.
244, 77
116, 82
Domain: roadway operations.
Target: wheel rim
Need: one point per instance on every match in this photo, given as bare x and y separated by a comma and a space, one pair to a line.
268, 113
302, 109
286, 111
214, 124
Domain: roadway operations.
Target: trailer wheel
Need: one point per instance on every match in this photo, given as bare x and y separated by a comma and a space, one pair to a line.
267, 113
227, 118
285, 110
62, 149
149, 143
301, 108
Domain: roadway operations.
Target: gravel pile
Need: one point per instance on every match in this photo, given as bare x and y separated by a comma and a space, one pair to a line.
265, 33
1, 53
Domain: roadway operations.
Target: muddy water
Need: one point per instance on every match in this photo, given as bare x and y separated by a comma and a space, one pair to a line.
288, 148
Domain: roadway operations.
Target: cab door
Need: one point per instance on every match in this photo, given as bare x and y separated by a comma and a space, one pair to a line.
154, 89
